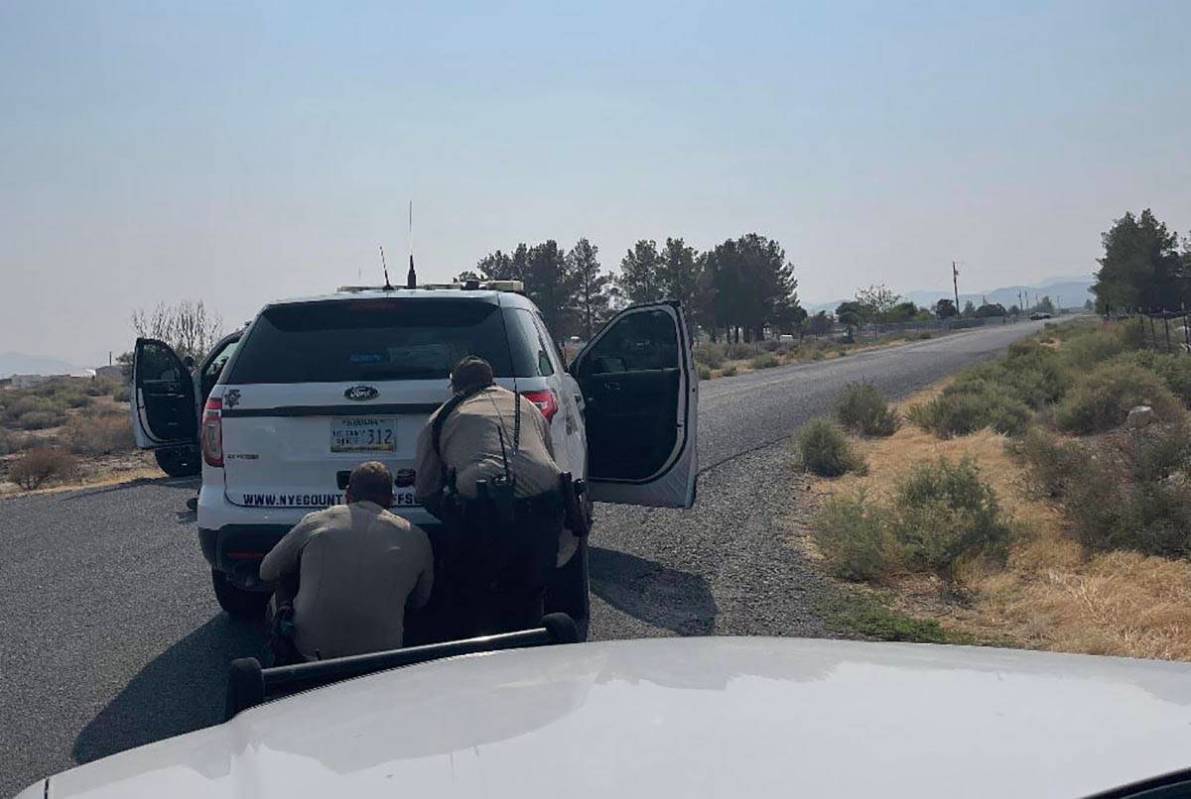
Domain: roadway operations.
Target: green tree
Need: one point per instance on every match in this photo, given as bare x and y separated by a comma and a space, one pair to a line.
640, 278
1141, 267
593, 287
679, 272
821, 324
945, 309
1045, 305
969, 309
789, 317
552, 286
850, 315
989, 309
504, 266
878, 302
750, 280
901, 312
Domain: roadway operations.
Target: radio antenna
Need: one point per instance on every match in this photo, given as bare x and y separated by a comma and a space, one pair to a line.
385, 267
411, 278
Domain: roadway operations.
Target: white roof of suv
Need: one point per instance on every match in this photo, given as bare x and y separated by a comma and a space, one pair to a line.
484, 290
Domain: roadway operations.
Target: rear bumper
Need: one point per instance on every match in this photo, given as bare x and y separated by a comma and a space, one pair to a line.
237, 550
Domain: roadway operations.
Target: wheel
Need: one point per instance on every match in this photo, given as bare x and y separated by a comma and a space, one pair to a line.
179, 461
569, 591
238, 603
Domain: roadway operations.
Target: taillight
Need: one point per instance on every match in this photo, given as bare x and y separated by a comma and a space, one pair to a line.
545, 400
211, 436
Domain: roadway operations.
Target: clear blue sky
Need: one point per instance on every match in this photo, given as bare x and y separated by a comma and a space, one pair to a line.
241, 152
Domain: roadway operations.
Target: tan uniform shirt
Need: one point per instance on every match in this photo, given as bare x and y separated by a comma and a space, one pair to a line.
360, 566
470, 444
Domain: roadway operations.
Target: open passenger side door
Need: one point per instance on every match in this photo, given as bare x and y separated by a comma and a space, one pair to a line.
641, 394
163, 406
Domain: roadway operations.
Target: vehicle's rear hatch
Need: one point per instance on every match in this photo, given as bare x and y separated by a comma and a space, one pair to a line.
319, 387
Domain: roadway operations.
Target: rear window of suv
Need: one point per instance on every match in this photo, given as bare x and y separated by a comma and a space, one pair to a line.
379, 339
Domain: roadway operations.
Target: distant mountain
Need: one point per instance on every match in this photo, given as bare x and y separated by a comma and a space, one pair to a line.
1073, 291
18, 363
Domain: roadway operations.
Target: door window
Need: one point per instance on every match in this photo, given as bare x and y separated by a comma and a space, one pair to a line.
166, 392
642, 341
214, 367
631, 380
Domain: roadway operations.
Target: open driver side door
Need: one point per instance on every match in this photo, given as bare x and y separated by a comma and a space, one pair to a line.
163, 406
641, 397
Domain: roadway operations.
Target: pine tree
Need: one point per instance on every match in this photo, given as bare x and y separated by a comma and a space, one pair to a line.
593, 286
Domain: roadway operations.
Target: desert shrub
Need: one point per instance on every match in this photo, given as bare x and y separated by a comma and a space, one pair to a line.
1051, 463
862, 409
13, 441
1025, 347
853, 536
1175, 371
1102, 399
39, 420
970, 406
704, 372
729, 371
99, 435
1083, 351
923, 335
766, 360
710, 353
1111, 511
841, 352
1127, 491
825, 450
1032, 374
943, 514
770, 345
40, 466
818, 355
1132, 333
741, 351
121, 393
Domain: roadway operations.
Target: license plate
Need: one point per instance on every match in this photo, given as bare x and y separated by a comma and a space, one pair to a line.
364, 434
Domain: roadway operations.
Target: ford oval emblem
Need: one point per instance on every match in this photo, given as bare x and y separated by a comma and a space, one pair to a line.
361, 393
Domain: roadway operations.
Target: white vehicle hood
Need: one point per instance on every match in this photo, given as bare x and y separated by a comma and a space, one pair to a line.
689, 717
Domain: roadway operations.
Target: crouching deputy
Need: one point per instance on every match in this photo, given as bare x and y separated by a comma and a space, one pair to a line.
486, 469
346, 575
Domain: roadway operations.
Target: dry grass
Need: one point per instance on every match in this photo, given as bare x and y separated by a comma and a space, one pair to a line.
1050, 595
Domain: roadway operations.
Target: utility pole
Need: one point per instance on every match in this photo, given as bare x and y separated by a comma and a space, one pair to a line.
955, 285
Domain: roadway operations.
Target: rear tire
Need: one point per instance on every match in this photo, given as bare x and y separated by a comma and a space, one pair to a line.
569, 591
179, 461
238, 603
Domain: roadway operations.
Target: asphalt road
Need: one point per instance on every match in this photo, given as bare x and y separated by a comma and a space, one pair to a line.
110, 636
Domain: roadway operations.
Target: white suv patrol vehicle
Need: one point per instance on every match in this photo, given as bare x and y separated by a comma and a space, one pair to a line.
313, 387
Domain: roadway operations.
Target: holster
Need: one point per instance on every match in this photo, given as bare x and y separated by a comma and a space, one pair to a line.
572, 505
